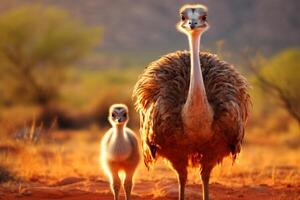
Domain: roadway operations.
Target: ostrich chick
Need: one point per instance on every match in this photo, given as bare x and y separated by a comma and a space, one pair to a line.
119, 150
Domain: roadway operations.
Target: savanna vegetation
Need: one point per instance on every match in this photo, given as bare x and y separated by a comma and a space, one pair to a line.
37, 45
55, 90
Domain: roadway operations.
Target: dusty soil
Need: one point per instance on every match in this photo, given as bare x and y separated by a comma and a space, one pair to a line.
77, 189
267, 169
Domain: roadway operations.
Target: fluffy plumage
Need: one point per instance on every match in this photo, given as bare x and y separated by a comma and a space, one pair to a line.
160, 94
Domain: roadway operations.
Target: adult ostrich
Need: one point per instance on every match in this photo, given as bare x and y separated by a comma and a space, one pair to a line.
193, 107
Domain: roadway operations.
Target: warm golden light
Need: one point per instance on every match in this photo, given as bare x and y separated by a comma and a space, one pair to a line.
64, 63
102, 159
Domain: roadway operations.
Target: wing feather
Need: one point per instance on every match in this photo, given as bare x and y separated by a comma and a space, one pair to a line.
162, 90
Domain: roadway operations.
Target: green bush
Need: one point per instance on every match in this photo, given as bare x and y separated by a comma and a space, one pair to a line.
36, 46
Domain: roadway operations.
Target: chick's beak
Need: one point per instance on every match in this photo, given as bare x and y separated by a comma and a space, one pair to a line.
192, 24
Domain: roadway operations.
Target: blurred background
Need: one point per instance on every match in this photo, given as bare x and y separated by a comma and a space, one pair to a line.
63, 63
70, 60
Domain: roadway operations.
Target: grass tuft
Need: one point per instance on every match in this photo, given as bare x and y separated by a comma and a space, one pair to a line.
5, 175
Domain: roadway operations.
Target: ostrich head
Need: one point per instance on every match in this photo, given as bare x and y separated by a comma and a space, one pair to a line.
193, 19
118, 114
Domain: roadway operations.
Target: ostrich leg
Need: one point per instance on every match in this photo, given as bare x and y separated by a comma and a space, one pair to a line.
115, 184
205, 174
182, 176
128, 184
180, 167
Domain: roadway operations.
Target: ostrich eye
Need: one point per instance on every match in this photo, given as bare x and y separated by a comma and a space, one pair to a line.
113, 115
182, 17
203, 17
125, 115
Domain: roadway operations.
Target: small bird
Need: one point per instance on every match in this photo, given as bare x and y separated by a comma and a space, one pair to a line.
119, 150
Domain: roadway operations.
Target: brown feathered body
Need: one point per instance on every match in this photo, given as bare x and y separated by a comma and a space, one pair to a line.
160, 94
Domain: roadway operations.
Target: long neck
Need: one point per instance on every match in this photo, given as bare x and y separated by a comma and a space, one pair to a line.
197, 112
196, 80
118, 131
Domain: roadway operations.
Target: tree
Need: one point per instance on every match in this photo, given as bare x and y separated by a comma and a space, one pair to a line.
281, 76
36, 46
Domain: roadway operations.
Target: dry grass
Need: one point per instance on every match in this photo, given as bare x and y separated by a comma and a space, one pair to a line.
65, 154
265, 159
68, 161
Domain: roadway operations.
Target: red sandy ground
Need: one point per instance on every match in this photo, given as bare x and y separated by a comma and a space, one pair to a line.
79, 189
268, 169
